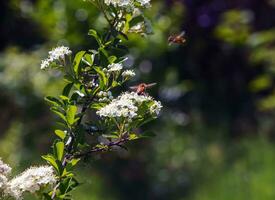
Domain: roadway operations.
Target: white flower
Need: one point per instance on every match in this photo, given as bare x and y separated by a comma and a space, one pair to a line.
155, 108
128, 73
4, 172
127, 3
45, 64
119, 3
133, 96
3, 182
55, 55
145, 3
138, 28
59, 53
4, 168
115, 67
119, 108
31, 181
126, 106
105, 96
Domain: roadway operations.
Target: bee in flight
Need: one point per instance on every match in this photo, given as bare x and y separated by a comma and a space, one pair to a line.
177, 39
140, 89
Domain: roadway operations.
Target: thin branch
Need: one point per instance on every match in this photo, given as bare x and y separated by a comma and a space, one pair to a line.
102, 149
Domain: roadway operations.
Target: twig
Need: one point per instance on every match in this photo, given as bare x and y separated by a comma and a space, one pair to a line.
102, 149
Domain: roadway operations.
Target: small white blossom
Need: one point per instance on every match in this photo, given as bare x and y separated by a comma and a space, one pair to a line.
119, 3
119, 108
55, 55
115, 67
105, 96
4, 172
128, 4
133, 96
128, 73
45, 64
4, 168
59, 53
138, 28
145, 3
3, 182
155, 108
31, 181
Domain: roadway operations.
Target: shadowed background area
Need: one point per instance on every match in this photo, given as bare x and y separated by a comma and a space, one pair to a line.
215, 137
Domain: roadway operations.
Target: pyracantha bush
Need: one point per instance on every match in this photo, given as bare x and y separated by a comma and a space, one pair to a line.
91, 78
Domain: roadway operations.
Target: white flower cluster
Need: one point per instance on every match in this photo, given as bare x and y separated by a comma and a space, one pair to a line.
105, 96
31, 180
4, 172
115, 67
128, 74
145, 3
55, 55
127, 105
156, 108
128, 4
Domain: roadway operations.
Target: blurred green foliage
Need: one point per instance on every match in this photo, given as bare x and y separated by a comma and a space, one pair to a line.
215, 138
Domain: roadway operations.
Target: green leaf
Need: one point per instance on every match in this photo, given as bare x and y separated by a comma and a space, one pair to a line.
88, 59
51, 160
114, 84
74, 161
64, 98
71, 112
93, 33
67, 89
102, 77
136, 20
53, 100
60, 114
71, 164
148, 134
59, 150
77, 60
112, 59
133, 136
60, 134
47, 196
97, 106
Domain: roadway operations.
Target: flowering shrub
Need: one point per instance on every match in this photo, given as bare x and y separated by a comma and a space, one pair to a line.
92, 78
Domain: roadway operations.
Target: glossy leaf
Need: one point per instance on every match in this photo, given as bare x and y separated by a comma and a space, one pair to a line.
71, 112
77, 61
61, 134
59, 150
67, 89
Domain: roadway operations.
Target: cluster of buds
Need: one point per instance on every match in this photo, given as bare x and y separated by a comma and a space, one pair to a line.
105, 96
